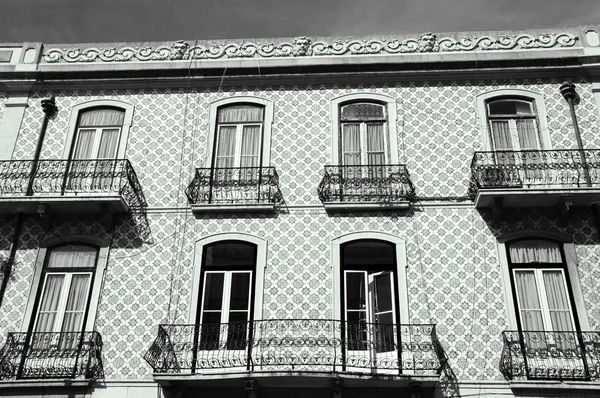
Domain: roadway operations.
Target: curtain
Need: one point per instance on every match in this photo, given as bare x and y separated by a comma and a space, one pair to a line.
535, 251
527, 134
375, 144
250, 146
529, 302
76, 303
49, 303
72, 256
85, 144
226, 146
108, 144
240, 113
351, 144
501, 135
558, 301
101, 117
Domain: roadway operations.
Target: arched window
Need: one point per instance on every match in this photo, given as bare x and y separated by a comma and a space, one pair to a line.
513, 124
363, 134
369, 301
226, 295
98, 133
239, 133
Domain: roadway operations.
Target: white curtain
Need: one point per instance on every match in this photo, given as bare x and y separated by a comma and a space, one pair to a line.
240, 114
49, 303
529, 302
226, 146
375, 144
351, 144
85, 144
535, 251
501, 135
558, 301
76, 303
72, 256
108, 144
527, 134
101, 117
250, 146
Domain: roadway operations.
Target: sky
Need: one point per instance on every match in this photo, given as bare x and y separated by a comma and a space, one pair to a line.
97, 21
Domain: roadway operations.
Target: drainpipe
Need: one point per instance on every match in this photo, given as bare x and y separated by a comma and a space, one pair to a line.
49, 108
567, 89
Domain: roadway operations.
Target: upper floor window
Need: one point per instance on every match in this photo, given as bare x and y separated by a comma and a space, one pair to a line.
513, 124
239, 136
363, 134
98, 133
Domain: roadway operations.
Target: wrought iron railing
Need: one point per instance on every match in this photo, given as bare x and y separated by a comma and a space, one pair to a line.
387, 183
297, 344
541, 355
524, 169
235, 185
71, 177
41, 355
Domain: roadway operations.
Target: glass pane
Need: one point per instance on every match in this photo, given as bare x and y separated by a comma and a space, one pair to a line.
375, 144
108, 144
230, 254
250, 146
501, 135
72, 256
210, 331
213, 291
528, 300
85, 144
528, 137
237, 330
535, 251
383, 293
49, 303
355, 291
384, 333
226, 146
504, 107
351, 144
240, 291
76, 303
558, 300
356, 330
102, 117
240, 113
368, 253
363, 111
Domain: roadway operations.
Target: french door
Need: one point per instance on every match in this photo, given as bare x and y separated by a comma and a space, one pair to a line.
371, 326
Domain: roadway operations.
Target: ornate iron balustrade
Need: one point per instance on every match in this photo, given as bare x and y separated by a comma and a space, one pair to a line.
524, 169
297, 344
540, 355
374, 183
72, 177
41, 355
235, 185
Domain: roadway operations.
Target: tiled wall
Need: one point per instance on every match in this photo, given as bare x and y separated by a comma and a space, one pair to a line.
452, 266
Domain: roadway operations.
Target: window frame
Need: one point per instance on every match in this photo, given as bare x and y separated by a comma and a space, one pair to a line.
571, 274
267, 124
39, 278
363, 132
538, 106
391, 130
73, 127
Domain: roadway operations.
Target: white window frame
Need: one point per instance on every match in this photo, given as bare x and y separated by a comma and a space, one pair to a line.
267, 126
102, 103
512, 123
537, 102
226, 294
391, 130
96, 287
261, 264
364, 153
578, 303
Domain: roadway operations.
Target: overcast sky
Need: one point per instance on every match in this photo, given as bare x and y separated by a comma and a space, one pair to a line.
71, 21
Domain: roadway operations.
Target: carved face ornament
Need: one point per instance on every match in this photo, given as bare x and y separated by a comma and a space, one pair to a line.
302, 46
428, 42
179, 49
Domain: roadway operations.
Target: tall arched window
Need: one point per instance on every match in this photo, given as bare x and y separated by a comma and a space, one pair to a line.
226, 296
513, 124
238, 140
363, 134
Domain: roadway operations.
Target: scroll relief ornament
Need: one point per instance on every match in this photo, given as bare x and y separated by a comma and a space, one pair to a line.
304, 46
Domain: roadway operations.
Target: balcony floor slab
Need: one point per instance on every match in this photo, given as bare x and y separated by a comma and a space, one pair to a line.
65, 204
537, 197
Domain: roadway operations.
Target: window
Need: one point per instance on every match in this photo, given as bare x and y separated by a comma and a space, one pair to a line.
226, 298
543, 296
363, 134
98, 134
239, 133
513, 125
369, 302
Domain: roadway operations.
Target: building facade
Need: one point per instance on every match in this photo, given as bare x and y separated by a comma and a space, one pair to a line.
410, 215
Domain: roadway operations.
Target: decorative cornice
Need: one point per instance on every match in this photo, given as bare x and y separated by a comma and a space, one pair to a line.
303, 46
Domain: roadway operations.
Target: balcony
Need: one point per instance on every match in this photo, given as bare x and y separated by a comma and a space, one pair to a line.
540, 355
47, 356
294, 348
69, 186
234, 189
563, 178
373, 187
